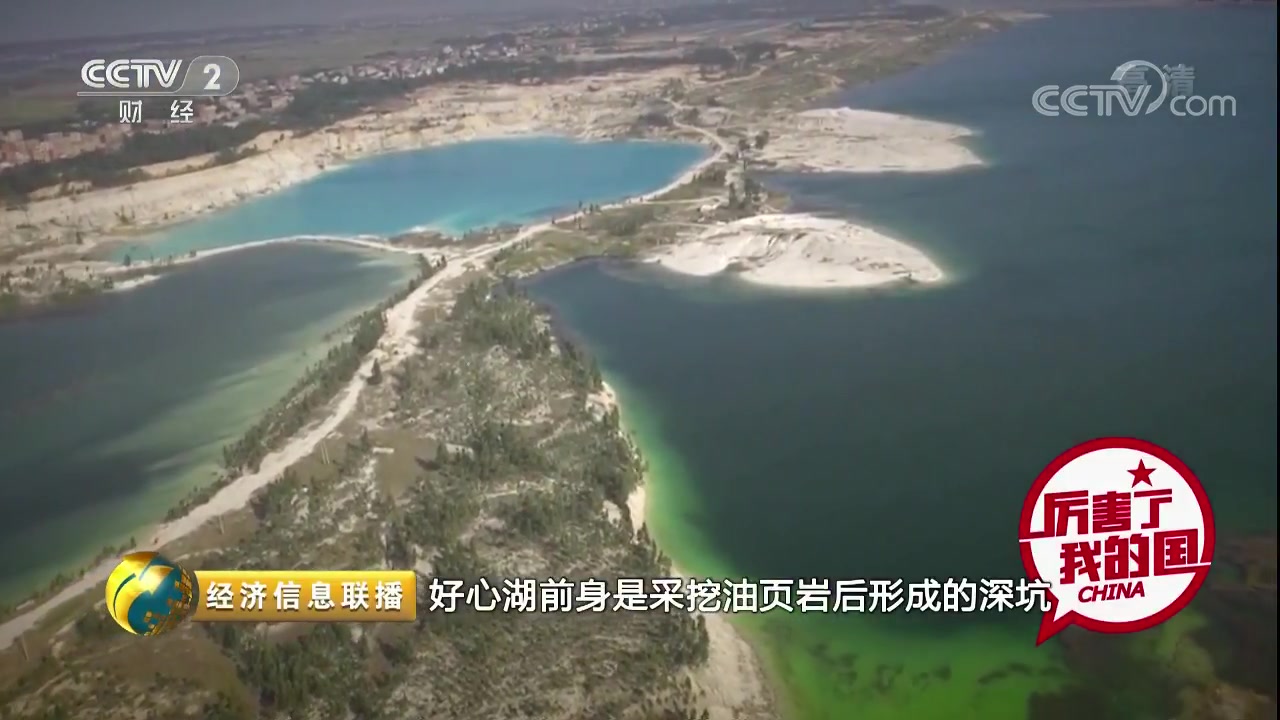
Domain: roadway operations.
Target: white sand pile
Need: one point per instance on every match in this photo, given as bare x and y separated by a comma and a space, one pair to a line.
800, 251
864, 141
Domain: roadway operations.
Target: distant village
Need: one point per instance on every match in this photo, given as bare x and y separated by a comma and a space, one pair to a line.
265, 96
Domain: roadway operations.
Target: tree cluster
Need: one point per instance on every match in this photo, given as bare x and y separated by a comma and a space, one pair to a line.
500, 315
103, 168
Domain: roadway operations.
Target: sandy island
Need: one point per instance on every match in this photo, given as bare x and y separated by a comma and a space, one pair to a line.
800, 251
865, 141
804, 251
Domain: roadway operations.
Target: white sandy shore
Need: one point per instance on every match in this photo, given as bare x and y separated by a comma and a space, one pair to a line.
397, 343
800, 251
133, 283
804, 251
865, 141
436, 116
732, 681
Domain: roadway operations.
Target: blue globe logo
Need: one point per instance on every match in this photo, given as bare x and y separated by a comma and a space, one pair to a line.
148, 594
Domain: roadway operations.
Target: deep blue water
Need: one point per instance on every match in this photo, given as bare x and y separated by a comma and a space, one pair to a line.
1110, 276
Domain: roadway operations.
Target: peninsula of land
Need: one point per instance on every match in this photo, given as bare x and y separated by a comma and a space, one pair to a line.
455, 434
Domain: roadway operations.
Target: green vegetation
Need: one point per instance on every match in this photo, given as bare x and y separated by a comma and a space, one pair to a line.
315, 389
627, 221
105, 169
314, 671
39, 289
517, 487
633, 230
495, 314
320, 383
320, 104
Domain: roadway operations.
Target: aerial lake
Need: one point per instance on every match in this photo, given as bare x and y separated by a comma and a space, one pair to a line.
115, 411
451, 188
1111, 276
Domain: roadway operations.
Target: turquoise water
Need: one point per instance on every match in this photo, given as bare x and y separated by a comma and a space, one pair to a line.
1111, 277
113, 414
453, 188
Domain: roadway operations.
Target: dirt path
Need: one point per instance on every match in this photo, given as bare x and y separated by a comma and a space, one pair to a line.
398, 342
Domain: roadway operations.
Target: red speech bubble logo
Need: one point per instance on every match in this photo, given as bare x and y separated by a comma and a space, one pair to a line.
1121, 531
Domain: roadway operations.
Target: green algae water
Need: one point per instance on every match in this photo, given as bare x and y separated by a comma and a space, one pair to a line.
116, 411
1110, 276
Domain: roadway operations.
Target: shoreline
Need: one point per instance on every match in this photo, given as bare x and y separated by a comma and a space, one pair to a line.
141, 272
381, 243
818, 140
397, 343
872, 142
436, 117
733, 680
137, 235
359, 241
384, 243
